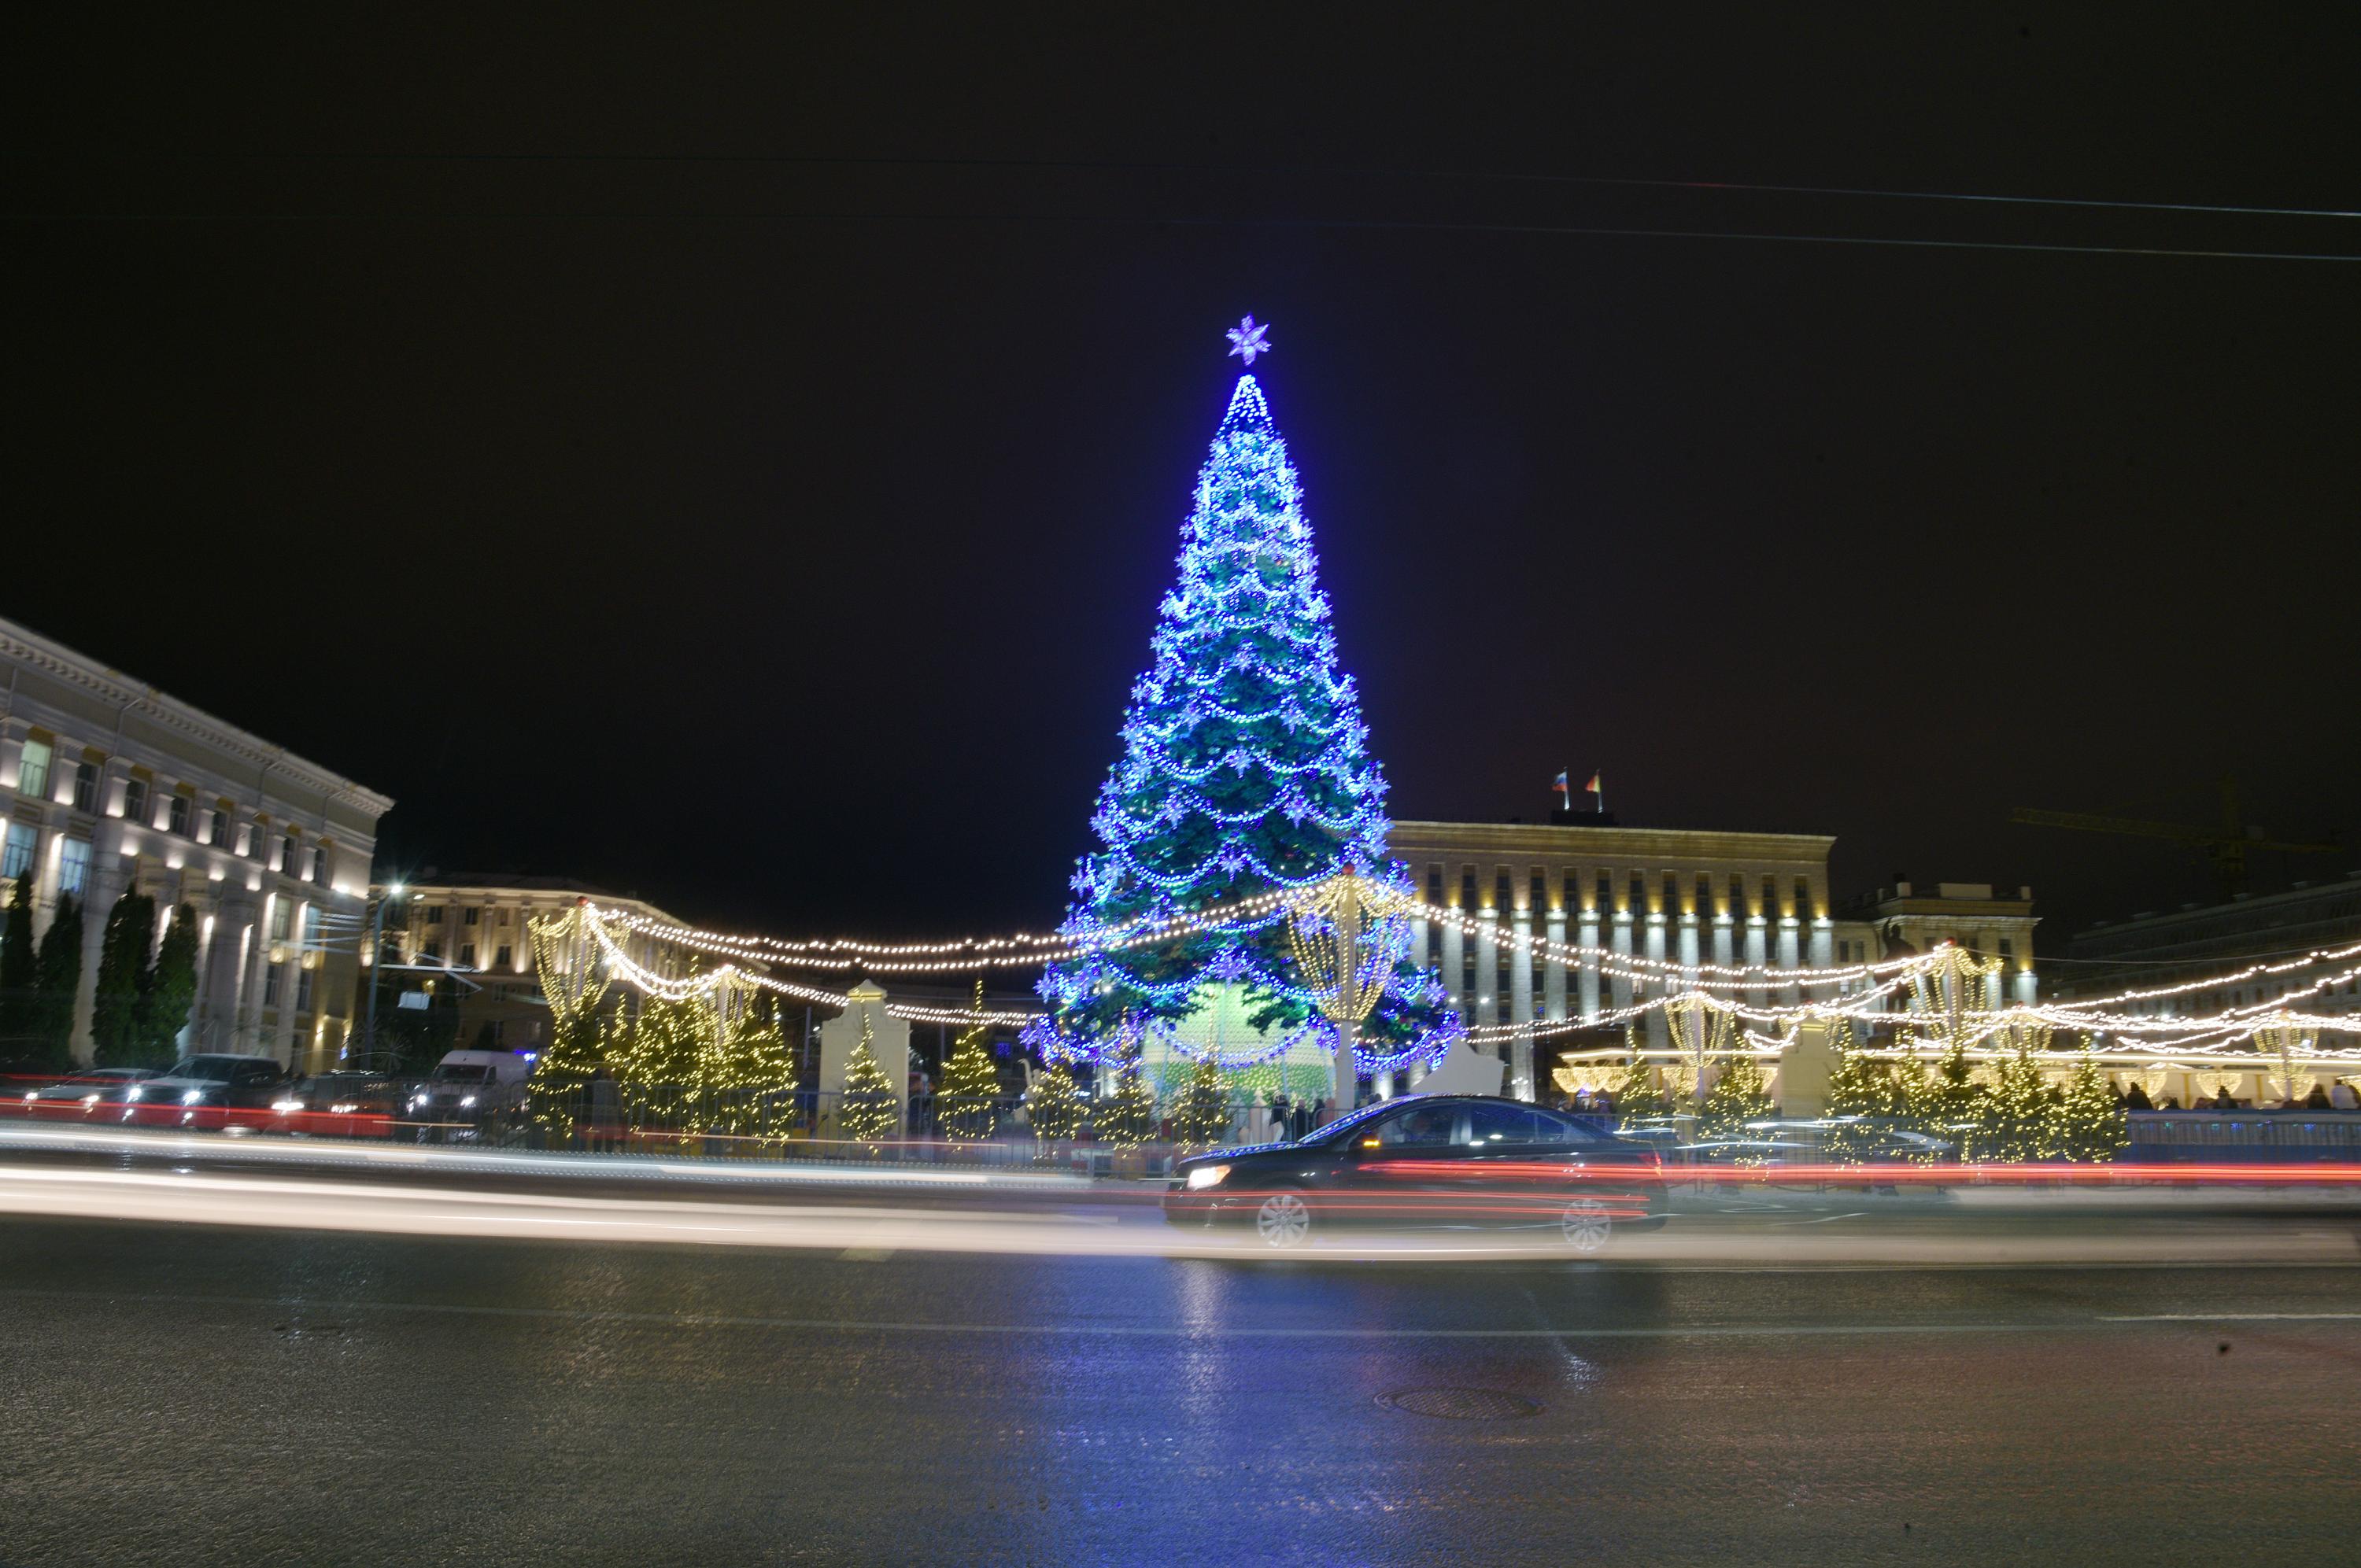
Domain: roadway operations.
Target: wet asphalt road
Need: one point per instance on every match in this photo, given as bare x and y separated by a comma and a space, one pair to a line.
194, 1395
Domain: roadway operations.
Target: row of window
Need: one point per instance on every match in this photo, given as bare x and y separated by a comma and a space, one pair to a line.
220, 827
1627, 893
469, 914
431, 952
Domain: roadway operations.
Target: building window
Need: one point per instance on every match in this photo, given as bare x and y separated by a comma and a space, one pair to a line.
18, 857
282, 919
33, 772
1638, 890
1802, 898
218, 829
269, 982
466, 955
469, 916
176, 819
431, 953
1537, 891
501, 918
85, 790
1770, 898
500, 958
303, 990
1434, 886
135, 800
287, 856
2008, 955
1502, 898
1672, 894
1606, 893
1467, 887
73, 866
319, 865
435, 915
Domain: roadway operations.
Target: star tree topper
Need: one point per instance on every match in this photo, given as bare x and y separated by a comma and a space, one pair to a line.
1247, 340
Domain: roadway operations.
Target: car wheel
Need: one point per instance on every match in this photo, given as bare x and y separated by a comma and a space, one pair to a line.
1284, 1219
1587, 1224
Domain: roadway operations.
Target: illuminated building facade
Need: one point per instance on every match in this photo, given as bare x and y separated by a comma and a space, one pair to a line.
111, 785
472, 928
2158, 951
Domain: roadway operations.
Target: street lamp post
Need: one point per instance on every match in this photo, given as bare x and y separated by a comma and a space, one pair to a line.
376, 961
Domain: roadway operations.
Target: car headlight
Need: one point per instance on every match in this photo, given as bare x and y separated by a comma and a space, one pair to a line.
283, 1105
135, 1095
343, 1107
89, 1099
1208, 1175
31, 1095
192, 1096
466, 1100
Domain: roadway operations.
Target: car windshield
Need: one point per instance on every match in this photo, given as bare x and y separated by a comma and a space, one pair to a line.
205, 1070
462, 1072
1344, 1125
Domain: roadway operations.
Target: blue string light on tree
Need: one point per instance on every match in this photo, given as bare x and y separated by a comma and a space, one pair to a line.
1245, 770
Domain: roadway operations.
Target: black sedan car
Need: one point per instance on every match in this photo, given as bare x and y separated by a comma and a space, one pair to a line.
1452, 1161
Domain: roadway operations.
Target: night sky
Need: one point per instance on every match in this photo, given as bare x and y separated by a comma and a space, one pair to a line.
739, 461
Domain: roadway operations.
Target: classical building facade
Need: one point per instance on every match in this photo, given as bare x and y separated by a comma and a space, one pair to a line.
111, 785
2157, 951
1680, 895
468, 932
1916, 918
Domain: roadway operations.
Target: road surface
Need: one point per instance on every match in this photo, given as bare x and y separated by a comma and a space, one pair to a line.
188, 1393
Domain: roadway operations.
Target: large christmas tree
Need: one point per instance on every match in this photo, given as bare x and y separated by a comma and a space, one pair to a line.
1245, 771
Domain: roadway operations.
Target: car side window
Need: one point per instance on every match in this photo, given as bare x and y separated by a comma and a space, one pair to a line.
1421, 1126
1552, 1128
1498, 1126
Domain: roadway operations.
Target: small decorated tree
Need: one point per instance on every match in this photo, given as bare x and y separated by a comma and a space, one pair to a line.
868, 1110
1636, 1093
1736, 1099
2086, 1123
750, 1074
1862, 1102
966, 1104
664, 1066
1054, 1105
1202, 1119
1125, 1118
2018, 1115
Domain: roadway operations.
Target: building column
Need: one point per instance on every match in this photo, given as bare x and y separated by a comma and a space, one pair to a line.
1824, 945
110, 876
1553, 971
1455, 967
1724, 950
1487, 967
1521, 1004
1790, 956
1657, 1036
2025, 992
1618, 940
1585, 982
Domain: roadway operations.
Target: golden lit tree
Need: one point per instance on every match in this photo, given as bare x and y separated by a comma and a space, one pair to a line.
2087, 1124
663, 1062
968, 1103
1054, 1106
750, 1073
868, 1112
1125, 1118
1202, 1119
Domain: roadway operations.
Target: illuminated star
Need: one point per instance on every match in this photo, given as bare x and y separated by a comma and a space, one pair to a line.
1245, 339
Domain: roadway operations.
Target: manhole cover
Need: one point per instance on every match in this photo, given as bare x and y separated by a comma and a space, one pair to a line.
1461, 1404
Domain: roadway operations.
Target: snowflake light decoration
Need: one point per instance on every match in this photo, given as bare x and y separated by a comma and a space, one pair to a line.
1246, 339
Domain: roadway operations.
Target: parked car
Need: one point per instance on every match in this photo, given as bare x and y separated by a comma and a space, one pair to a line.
1429, 1161
466, 1092
209, 1091
338, 1105
77, 1097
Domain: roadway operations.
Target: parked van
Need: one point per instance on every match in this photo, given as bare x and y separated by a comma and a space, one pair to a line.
470, 1091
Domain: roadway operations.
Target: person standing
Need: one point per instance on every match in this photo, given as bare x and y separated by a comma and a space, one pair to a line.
1279, 1130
